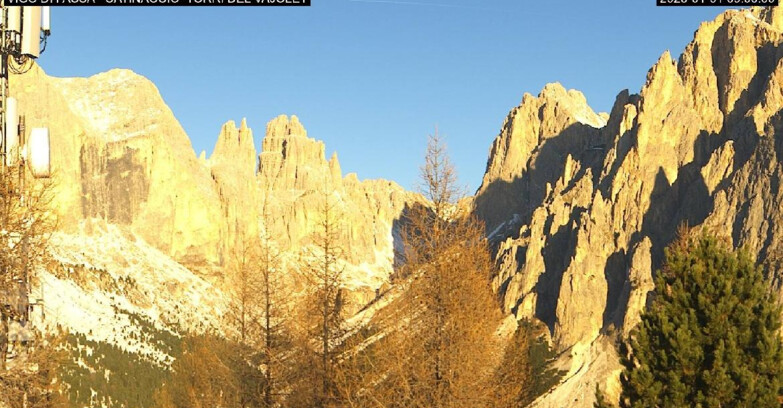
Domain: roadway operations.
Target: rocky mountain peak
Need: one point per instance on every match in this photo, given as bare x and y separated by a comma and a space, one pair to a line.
335, 170
233, 169
560, 118
580, 216
107, 99
770, 15
290, 159
283, 126
235, 148
553, 91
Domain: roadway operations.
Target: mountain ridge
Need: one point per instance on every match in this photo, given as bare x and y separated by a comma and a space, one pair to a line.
581, 226
578, 205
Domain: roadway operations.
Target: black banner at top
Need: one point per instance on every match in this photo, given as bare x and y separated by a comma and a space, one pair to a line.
724, 3
157, 2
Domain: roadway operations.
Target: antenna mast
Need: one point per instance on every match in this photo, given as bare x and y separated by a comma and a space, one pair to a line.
23, 34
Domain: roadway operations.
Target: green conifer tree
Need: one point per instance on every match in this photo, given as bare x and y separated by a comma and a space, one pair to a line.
711, 336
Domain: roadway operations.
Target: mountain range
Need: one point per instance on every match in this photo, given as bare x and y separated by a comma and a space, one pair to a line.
578, 205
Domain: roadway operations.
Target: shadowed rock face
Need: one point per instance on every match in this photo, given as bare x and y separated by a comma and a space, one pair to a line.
579, 216
113, 186
120, 155
535, 138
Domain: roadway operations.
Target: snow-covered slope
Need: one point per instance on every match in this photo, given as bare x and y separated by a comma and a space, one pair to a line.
114, 288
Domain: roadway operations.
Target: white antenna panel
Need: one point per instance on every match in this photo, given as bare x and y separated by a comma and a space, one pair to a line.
14, 18
31, 31
38, 153
11, 130
46, 19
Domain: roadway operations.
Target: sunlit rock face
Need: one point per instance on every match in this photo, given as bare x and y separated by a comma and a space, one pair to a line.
120, 155
148, 232
580, 206
294, 178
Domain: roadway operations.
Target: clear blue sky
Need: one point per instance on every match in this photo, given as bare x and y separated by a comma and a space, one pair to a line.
373, 78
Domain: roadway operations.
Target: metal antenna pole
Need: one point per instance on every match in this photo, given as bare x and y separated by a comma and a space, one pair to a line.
4, 40
4, 325
31, 29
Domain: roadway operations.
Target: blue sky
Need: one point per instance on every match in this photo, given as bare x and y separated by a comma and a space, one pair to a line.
373, 78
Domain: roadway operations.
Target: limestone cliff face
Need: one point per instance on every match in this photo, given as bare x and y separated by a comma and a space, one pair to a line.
528, 154
579, 234
121, 156
294, 177
233, 168
131, 195
117, 152
290, 160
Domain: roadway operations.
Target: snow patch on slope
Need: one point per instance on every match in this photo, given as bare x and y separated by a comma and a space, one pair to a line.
590, 118
113, 287
106, 100
584, 363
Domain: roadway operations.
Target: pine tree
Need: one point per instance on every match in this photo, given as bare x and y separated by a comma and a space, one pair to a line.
514, 376
711, 336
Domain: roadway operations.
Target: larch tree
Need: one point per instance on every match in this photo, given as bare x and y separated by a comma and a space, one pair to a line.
28, 373
26, 222
203, 377
33, 380
259, 315
446, 347
323, 319
244, 315
275, 340
243, 286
